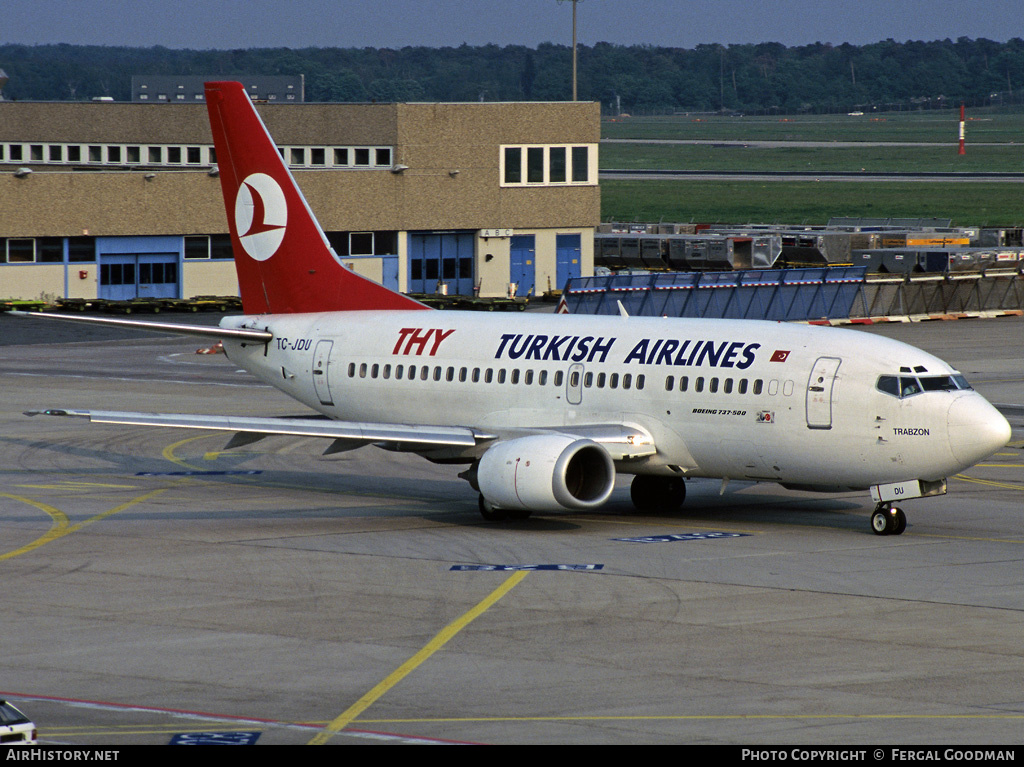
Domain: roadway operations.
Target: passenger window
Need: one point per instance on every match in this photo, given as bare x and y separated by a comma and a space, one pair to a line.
501, 376
398, 371
588, 380
362, 370
613, 381
670, 383
462, 375
773, 387
425, 372
600, 380
728, 386
476, 375
627, 380
787, 388
528, 377
488, 376
351, 370
375, 371
640, 380
515, 375
542, 378
437, 373
558, 378
387, 371
450, 374
743, 386
684, 382
698, 385
758, 386
713, 385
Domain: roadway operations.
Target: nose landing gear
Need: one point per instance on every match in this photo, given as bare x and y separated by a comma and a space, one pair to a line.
888, 520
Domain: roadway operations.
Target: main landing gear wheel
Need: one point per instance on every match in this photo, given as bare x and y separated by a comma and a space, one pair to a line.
652, 493
492, 513
886, 520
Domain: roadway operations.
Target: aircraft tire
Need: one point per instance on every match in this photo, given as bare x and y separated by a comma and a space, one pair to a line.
650, 493
882, 522
899, 522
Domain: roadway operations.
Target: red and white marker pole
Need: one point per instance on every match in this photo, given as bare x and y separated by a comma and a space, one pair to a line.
961, 150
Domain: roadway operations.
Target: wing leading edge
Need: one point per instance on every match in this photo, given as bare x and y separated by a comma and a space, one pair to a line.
621, 441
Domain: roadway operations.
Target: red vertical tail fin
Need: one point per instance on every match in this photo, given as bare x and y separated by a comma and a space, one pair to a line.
283, 259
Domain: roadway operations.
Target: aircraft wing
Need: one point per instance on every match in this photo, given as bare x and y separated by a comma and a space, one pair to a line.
623, 442
249, 429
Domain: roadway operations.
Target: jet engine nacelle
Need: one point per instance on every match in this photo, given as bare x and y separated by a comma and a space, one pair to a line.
546, 472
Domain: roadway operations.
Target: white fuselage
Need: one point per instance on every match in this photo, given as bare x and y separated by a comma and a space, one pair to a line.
723, 398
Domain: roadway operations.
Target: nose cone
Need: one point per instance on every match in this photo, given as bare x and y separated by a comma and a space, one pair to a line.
976, 429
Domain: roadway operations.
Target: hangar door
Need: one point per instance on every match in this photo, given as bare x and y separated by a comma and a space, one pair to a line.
441, 258
523, 264
567, 258
125, 276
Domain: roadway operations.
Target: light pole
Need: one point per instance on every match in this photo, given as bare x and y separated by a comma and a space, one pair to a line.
574, 2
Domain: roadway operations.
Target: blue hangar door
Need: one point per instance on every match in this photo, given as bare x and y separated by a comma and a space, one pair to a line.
523, 264
567, 258
125, 276
441, 257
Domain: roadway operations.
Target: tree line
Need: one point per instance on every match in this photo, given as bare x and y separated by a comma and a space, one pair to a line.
766, 78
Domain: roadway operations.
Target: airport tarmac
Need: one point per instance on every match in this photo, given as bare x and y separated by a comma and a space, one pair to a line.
157, 588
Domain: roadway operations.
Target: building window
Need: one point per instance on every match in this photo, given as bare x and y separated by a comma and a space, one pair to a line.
21, 251
81, 249
535, 165
548, 165
513, 165
197, 247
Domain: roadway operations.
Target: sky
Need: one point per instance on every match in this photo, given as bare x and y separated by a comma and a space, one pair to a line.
225, 24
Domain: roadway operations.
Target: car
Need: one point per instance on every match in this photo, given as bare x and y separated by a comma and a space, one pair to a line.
15, 728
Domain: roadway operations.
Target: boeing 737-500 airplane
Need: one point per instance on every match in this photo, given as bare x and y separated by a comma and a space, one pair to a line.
544, 411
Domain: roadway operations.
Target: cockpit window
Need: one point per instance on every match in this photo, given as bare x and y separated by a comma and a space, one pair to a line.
939, 383
907, 386
889, 384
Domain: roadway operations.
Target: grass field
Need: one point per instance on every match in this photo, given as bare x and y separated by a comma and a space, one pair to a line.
942, 126
796, 158
808, 202
995, 142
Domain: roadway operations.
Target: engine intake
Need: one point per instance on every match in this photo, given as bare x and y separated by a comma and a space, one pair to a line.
546, 472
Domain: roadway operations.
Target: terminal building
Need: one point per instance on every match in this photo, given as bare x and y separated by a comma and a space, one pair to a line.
122, 200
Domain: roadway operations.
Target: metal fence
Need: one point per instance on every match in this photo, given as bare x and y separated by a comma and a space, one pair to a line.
772, 294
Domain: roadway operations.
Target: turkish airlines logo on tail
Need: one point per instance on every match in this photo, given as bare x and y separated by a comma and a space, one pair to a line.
260, 216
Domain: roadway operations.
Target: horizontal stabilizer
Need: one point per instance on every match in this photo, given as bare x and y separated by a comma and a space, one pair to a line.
171, 328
